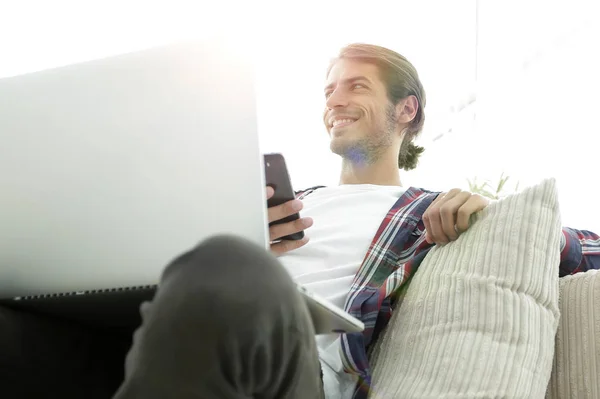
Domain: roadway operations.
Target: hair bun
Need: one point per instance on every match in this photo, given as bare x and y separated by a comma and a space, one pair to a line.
409, 158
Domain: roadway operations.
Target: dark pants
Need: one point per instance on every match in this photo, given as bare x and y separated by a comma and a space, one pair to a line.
226, 322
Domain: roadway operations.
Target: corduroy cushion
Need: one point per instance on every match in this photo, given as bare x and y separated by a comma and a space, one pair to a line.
480, 315
576, 370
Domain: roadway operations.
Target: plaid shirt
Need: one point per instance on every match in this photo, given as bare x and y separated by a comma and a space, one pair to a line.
397, 250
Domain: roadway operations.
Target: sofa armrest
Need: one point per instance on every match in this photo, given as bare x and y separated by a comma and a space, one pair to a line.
576, 367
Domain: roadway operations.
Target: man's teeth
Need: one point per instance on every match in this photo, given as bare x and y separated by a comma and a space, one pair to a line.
339, 121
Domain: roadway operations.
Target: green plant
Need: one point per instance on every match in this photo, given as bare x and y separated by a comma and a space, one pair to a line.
486, 189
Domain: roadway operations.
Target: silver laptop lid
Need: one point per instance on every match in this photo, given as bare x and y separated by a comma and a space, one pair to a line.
111, 168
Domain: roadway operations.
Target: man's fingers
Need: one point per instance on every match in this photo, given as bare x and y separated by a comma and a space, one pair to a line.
433, 225
432, 218
270, 192
428, 235
447, 218
288, 245
284, 210
449, 211
473, 205
281, 230
437, 231
462, 218
278, 231
444, 197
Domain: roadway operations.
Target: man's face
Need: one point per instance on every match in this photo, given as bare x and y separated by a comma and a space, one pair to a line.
358, 116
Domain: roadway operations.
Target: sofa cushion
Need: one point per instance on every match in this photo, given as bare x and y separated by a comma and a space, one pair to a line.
576, 369
480, 315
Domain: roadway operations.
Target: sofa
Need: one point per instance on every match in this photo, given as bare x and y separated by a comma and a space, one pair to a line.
576, 366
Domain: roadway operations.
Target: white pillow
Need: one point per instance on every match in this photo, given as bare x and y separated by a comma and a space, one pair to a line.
576, 371
480, 315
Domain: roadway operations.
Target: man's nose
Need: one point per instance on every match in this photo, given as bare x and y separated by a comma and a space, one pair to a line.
337, 99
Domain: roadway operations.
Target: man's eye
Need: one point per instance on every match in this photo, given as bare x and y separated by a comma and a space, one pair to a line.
327, 94
357, 86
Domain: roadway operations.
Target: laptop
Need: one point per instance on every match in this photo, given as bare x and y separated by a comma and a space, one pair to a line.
111, 168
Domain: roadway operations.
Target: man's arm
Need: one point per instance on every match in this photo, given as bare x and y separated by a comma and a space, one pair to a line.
579, 251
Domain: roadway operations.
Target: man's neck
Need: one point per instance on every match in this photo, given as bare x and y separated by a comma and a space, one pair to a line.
383, 172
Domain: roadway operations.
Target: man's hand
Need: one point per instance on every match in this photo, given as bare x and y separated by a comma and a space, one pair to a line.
448, 216
281, 230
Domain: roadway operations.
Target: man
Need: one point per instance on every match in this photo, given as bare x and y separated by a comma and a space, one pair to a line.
227, 321
374, 110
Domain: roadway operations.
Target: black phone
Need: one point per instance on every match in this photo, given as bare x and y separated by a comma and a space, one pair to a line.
277, 177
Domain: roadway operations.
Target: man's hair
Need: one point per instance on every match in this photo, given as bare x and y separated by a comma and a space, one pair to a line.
401, 80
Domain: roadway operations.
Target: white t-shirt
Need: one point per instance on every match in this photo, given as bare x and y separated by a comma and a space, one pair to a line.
346, 218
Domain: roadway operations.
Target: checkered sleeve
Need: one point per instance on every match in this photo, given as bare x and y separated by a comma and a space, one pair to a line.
579, 251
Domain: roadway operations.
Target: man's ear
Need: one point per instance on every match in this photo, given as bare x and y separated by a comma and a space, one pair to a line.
406, 109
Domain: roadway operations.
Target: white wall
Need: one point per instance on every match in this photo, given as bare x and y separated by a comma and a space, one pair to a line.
536, 64
538, 84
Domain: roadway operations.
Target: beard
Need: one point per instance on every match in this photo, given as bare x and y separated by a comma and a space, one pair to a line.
374, 141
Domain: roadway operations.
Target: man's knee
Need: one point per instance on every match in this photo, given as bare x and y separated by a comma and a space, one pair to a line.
226, 257
231, 274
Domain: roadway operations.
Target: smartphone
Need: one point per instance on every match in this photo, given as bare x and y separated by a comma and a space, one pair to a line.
276, 175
